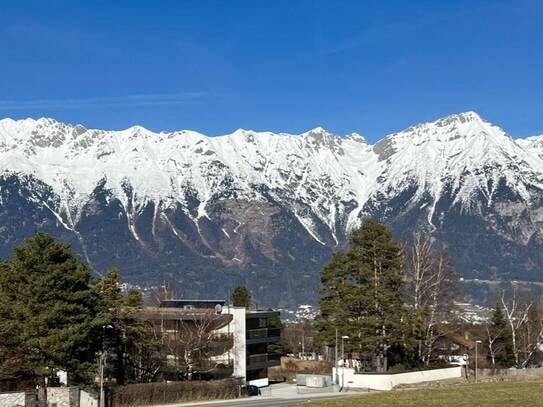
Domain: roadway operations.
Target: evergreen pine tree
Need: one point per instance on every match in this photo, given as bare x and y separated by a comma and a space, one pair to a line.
129, 342
110, 327
241, 297
362, 295
498, 321
334, 291
47, 309
503, 342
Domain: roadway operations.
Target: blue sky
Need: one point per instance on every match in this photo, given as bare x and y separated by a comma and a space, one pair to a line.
373, 67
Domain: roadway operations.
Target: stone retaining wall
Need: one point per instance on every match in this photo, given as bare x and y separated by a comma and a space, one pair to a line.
57, 396
12, 399
511, 372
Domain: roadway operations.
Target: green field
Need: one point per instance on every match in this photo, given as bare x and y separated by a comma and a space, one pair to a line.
503, 394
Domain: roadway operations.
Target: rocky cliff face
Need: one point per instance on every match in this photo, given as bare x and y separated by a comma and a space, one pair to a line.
268, 209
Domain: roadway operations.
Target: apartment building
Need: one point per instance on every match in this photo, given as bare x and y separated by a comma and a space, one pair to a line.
252, 332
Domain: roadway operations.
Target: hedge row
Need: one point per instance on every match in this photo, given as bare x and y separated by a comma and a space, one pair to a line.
175, 392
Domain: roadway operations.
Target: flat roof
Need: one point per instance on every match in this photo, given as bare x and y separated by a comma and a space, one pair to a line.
262, 314
179, 314
192, 300
195, 301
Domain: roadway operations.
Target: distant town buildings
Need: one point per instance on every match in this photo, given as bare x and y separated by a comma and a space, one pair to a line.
302, 312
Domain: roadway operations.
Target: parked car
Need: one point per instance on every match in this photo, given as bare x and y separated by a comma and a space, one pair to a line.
252, 390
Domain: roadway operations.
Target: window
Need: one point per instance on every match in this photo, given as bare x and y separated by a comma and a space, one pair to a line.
257, 374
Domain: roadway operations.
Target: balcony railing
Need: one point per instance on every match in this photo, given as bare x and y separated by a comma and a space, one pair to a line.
263, 333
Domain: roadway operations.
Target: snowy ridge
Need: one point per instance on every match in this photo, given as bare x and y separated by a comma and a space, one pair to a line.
316, 175
462, 152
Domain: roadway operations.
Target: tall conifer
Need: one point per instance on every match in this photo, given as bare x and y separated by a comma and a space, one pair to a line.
47, 308
362, 295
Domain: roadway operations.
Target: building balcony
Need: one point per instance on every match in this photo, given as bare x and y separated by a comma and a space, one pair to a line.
263, 360
263, 335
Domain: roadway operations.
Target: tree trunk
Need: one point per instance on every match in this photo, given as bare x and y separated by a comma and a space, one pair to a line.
42, 393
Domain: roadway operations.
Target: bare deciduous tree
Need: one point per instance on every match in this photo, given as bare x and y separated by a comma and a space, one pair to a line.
192, 340
431, 283
147, 356
495, 347
299, 336
525, 324
420, 270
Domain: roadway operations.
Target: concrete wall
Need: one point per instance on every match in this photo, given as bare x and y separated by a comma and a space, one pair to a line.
510, 372
260, 382
12, 399
59, 396
311, 380
348, 378
239, 350
87, 400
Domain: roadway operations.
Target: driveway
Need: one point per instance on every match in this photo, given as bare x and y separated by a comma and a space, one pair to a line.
271, 401
272, 396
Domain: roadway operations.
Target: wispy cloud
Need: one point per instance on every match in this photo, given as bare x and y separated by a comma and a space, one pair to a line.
398, 29
114, 101
379, 34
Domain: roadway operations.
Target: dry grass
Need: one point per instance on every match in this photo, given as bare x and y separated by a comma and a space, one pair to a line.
515, 393
291, 366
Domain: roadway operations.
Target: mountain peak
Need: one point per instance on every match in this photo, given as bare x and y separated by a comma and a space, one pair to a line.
465, 117
46, 121
318, 129
137, 128
356, 137
470, 115
320, 136
30, 121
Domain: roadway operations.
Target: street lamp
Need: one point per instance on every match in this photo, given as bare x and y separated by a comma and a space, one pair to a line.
302, 344
343, 357
476, 358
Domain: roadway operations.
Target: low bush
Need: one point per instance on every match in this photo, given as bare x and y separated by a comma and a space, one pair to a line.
175, 392
290, 367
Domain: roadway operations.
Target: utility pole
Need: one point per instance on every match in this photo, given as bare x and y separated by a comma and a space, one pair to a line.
337, 373
101, 366
102, 359
476, 359
343, 363
228, 300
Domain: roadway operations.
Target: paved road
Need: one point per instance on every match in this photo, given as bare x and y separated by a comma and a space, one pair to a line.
272, 402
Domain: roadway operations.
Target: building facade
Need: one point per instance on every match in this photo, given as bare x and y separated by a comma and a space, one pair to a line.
254, 333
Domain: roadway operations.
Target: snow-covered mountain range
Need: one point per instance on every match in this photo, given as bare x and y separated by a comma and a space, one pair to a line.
267, 209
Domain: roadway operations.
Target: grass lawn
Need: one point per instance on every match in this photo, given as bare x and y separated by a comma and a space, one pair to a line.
507, 394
